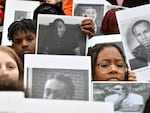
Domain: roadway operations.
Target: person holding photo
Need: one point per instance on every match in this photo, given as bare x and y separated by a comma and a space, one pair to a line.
108, 63
86, 25
92, 13
23, 36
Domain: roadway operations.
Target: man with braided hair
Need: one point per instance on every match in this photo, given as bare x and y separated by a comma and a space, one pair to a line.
23, 36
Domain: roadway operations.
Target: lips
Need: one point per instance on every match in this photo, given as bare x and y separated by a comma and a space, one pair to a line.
113, 79
26, 51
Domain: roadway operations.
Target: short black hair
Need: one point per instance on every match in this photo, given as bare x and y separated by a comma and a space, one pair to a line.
46, 8
22, 25
55, 22
139, 22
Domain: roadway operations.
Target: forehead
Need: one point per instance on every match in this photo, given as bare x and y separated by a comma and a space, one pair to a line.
6, 56
110, 52
142, 24
23, 33
59, 22
54, 84
90, 10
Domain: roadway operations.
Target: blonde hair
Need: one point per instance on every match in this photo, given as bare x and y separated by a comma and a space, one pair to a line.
15, 57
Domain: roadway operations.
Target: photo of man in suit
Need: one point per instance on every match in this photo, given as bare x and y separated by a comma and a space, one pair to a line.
141, 32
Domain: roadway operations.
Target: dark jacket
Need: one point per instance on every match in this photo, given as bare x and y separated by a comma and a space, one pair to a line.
141, 58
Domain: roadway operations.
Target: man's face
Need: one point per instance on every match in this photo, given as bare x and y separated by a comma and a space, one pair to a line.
120, 89
24, 43
60, 28
55, 89
91, 12
142, 34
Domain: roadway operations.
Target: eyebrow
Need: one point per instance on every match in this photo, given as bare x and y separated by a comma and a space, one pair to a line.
110, 60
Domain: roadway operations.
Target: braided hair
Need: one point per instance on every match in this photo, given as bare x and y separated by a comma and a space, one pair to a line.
22, 25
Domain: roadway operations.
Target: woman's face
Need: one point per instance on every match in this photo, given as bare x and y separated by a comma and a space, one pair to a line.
8, 66
110, 65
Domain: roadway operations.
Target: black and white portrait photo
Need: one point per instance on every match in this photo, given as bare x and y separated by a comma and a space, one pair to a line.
93, 10
53, 77
21, 14
16, 11
61, 35
59, 84
135, 31
127, 97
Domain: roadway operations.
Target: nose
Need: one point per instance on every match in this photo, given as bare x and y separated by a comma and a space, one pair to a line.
3, 71
113, 68
24, 44
59, 29
144, 36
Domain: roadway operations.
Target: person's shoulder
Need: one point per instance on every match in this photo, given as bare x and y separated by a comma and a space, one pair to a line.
138, 48
135, 95
139, 52
111, 96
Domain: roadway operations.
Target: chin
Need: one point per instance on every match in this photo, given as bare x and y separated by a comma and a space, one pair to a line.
113, 80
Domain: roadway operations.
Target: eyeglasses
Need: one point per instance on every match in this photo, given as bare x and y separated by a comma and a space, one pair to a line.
108, 66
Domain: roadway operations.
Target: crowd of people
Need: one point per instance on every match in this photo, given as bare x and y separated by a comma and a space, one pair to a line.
108, 62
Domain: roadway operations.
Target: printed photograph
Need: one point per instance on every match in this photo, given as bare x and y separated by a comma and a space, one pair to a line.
93, 10
16, 11
60, 35
57, 78
127, 97
135, 33
21, 14
60, 84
